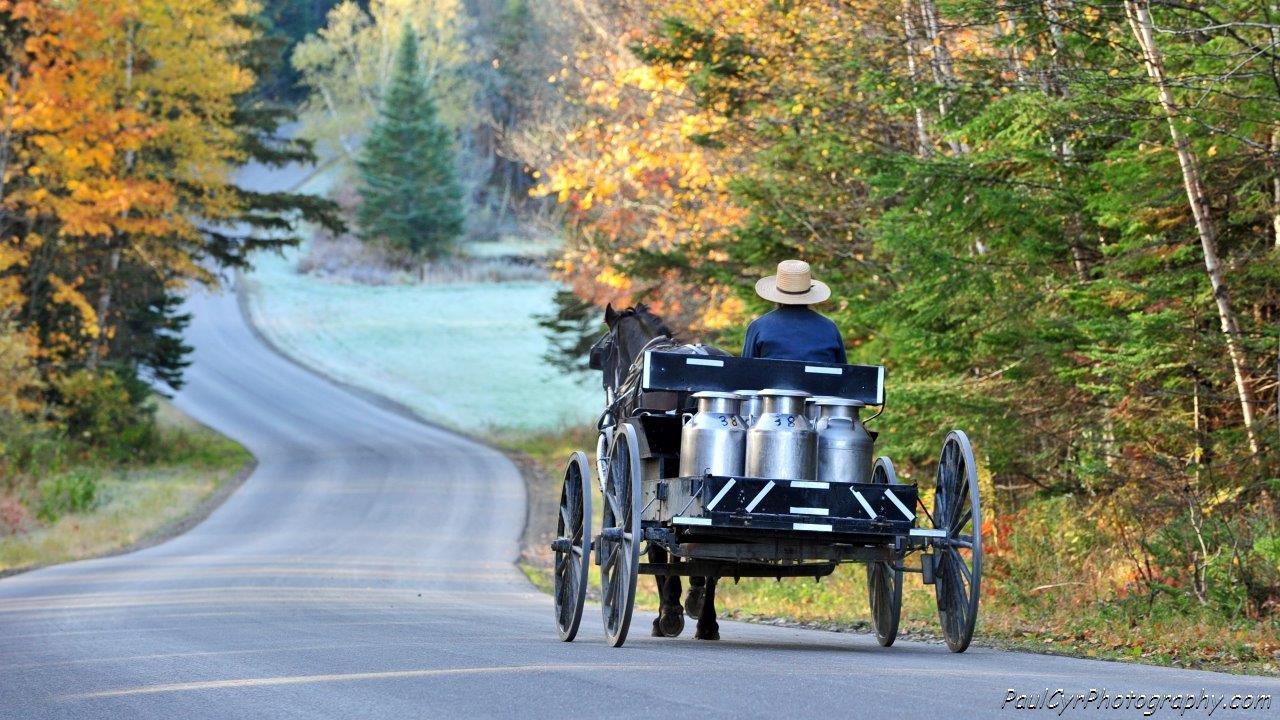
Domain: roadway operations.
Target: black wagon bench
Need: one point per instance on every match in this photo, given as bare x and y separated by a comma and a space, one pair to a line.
776, 516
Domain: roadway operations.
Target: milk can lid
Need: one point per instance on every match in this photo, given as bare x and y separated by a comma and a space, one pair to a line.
777, 392
714, 394
832, 400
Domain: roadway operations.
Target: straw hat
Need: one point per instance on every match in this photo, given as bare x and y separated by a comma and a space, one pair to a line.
793, 285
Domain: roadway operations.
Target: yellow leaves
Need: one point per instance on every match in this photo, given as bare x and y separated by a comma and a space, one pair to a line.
614, 279
727, 313
1213, 151
69, 294
1092, 14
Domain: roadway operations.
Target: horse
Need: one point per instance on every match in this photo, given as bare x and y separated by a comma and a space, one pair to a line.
618, 355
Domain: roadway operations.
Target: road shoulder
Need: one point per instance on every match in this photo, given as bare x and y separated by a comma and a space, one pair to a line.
140, 504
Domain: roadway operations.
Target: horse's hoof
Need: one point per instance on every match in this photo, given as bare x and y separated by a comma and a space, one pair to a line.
657, 629
693, 600
711, 633
669, 624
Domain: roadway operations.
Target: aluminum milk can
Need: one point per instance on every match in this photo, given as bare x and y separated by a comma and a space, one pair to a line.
713, 440
781, 444
750, 408
845, 448
811, 409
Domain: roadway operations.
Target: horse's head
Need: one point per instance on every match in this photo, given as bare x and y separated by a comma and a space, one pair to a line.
629, 331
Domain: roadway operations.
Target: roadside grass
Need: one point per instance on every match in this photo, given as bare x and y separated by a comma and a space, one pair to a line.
1019, 611
134, 502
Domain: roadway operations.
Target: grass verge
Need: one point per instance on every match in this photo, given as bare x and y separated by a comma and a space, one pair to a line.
1051, 620
135, 504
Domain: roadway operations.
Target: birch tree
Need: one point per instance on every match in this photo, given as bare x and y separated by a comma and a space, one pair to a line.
1138, 13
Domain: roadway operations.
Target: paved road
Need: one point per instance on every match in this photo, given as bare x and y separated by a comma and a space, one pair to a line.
365, 570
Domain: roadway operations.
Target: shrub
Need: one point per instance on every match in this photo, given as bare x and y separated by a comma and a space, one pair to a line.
63, 494
14, 517
103, 410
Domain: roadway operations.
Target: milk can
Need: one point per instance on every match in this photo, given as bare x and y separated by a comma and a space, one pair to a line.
713, 440
750, 409
781, 444
845, 448
811, 409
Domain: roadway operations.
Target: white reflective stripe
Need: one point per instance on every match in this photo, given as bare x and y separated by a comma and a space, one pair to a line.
690, 521
811, 526
720, 495
700, 361
810, 484
865, 505
822, 370
880, 387
764, 491
893, 497
648, 363
927, 532
809, 511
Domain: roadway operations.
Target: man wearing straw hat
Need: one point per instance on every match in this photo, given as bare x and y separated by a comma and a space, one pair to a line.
793, 331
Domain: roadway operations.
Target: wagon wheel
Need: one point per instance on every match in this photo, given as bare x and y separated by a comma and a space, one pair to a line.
884, 583
620, 535
958, 554
572, 546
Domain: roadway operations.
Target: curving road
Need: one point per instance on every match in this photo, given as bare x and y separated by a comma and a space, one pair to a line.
365, 570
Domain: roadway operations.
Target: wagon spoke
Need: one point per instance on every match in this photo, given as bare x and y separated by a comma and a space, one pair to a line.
963, 520
964, 567
614, 507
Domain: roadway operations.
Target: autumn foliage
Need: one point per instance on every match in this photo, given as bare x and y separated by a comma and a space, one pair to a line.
1054, 222
123, 123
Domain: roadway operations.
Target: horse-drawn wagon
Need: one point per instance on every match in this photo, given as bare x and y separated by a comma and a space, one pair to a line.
725, 467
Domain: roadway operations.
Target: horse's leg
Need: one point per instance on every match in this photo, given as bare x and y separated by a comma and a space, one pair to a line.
708, 628
697, 591
670, 620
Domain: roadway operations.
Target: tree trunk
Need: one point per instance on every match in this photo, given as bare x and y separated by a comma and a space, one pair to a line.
940, 60
1275, 182
117, 241
922, 131
1008, 27
1054, 86
1138, 13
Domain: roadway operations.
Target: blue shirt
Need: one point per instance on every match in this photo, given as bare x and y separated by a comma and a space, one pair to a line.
794, 332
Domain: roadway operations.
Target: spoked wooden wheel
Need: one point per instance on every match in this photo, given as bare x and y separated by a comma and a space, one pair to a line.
620, 535
572, 546
884, 583
958, 554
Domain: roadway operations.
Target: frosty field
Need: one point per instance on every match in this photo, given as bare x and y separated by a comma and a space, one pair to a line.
468, 356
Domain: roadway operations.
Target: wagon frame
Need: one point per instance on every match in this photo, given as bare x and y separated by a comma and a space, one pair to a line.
735, 526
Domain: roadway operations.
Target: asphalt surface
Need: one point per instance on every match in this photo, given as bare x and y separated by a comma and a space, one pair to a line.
365, 570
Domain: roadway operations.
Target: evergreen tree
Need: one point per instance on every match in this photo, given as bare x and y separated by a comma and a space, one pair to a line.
410, 197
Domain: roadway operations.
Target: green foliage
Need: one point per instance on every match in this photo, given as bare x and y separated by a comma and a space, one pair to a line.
572, 328
1030, 270
410, 198
65, 494
104, 410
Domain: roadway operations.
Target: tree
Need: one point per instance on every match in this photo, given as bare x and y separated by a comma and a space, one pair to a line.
409, 195
125, 122
347, 66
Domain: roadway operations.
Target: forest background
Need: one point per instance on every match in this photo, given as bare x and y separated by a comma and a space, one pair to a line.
1057, 224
